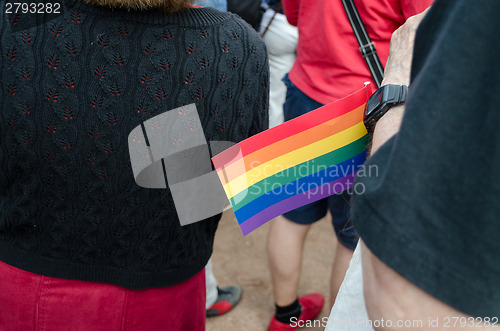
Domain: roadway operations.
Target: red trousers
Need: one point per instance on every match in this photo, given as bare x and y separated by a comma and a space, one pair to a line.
32, 302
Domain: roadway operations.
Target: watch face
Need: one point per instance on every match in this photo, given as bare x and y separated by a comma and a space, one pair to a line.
383, 99
373, 103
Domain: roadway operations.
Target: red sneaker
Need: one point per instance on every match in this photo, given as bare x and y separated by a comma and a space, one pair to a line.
311, 307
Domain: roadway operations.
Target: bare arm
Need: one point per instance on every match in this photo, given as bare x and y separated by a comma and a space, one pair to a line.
391, 297
388, 295
397, 72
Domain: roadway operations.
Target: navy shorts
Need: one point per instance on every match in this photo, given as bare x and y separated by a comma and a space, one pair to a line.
296, 104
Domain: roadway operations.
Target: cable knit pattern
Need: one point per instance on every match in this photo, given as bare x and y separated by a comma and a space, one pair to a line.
73, 87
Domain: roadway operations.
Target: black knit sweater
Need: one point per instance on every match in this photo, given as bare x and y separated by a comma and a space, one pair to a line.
73, 86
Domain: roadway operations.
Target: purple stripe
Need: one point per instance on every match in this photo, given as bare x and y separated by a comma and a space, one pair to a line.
296, 201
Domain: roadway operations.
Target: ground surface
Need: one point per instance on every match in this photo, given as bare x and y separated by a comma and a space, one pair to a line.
242, 260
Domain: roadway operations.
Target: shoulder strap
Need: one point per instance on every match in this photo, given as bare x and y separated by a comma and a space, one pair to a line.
366, 46
276, 10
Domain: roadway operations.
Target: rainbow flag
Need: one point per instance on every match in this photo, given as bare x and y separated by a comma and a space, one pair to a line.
298, 162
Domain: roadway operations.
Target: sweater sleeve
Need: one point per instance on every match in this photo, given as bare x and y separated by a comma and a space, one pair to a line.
411, 7
291, 10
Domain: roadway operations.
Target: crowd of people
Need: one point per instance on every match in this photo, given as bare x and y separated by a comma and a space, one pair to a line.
83, 247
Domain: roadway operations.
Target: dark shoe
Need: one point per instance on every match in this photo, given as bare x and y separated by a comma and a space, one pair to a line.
311, 307
227, 298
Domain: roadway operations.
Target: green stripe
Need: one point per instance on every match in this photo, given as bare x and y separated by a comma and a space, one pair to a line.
300, 170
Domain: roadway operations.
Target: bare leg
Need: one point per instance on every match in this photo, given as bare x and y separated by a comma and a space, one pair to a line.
340, 265
284, 250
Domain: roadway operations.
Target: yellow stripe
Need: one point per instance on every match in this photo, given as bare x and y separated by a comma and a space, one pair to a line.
221, 174
293, 158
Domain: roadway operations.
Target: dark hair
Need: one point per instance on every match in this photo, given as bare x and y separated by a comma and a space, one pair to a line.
169, 6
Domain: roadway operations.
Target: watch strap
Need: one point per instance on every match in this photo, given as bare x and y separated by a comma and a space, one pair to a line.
399, 95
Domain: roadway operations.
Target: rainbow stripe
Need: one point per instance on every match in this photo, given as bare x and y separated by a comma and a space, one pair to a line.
303, 160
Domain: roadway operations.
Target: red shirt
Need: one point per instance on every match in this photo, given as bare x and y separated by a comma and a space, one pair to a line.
329, 65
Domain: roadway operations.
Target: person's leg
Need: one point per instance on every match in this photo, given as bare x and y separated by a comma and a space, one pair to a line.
19, 292
211, 284
286, 239
340, 208
340, 265
285, 244
284, 250
220, 300
349, 311
178, 307
33, 302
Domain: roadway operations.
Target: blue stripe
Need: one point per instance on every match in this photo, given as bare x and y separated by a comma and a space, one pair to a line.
299, 186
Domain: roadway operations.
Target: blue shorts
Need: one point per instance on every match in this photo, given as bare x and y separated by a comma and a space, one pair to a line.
296, 104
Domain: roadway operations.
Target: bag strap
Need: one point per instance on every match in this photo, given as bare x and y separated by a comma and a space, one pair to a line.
278, 8
366, 46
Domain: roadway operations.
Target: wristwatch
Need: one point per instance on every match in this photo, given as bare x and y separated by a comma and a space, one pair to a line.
384, 98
